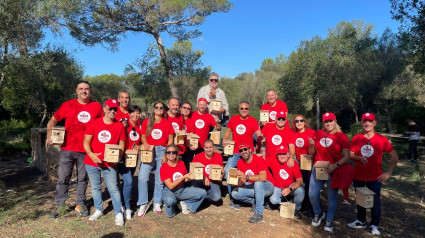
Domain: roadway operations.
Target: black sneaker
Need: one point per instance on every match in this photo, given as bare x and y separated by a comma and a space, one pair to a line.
297, 214
82, 210
357, 225
269, 207
56, 212
256, 218
318, 219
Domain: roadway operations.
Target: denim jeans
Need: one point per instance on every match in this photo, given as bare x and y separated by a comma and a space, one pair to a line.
67, 159
231, 163
144, 172
375, 186
191, 196
314, 193
254, 193
127, 178
110, 176
213, 191
298, 194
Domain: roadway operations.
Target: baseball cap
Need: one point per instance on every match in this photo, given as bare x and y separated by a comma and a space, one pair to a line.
368, 116
282, 150
328, 116
111, 103
281, 114
202, 100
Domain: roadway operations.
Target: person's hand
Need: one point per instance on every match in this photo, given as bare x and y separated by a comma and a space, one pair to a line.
330, 168
286, 192
136, 147
291, 162
363, 159
49, 141
195, 147
212, 92
188, 177
311, 141
222, 110
94, 157
263, 123
207, 182
147, 147
384, 177
163, 160
216, 119
224, 142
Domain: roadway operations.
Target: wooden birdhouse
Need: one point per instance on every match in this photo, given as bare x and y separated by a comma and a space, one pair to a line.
321, 173
179, 137
264, 115
197, 171
58, 135
112, 153
215, 136
306, 162
228, 150
364, 197
146, 156
232, 178
287, 210
131, 158
193, 139
215, 172
215, 105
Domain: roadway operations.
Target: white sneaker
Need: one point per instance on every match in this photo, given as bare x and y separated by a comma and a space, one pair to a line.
142, 210
357, 225
318, 219
184, 208
328, 227
157, 208
119, 219
128, 214
96, 215
375, 230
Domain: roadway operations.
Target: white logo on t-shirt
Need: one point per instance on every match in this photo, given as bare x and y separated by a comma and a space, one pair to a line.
367, 150
199, 123
207, 169
134, 136
175, 126
326, 142
249, 172
83, 117
327, 114
283, 174
240, 129
156, 134
177, 175
299, 142
104, 136
273, 115
276, 140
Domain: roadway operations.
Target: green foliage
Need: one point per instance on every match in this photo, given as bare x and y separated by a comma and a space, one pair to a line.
106, 86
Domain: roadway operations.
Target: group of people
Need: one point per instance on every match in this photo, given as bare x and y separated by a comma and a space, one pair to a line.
266, 176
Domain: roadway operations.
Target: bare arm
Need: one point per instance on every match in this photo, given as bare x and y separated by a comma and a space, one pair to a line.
226, 136
393, 162
87, 147
170, 140
52, 123
345, 157
172, 185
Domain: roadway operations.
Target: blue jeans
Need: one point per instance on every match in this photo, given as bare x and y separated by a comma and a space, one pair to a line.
298, 194
375, 186
213, 191
191, 196
231, 163
127, 178
144, 172
314, 194
110, 176
254, 193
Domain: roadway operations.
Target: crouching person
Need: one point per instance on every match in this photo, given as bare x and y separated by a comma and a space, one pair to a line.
288, 181
174, 175
102, 131
256, 182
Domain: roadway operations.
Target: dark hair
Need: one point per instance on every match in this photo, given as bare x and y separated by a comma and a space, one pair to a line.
84, 81
209, 141
186, 103
133, 108
151, 120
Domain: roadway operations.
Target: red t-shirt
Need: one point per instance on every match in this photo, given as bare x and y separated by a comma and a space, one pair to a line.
275, 138
373, 149
77, 116
280, 106
282, 174
301, 142
173, 173
160, 132
201, 158
104, 134
202, 124
257, 165
121, 115
133, 136
243, 131
335, 143
176, 122
188, 125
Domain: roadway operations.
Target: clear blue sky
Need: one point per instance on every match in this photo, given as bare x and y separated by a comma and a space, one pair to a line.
240, 40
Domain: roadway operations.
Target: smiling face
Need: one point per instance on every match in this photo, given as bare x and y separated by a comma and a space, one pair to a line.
158, 109
202, 106
271, 97
83, 91
171, 154
368, 125
330, 125
299, 123
134, 116
244, 109
245, 153
124, 99
110, 112
280, 122
213, 81
186, 109
282, 158
173, 105
209, 148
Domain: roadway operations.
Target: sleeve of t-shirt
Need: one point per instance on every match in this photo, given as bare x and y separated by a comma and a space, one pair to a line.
60, 113
261, 164
387, 145
353, 144
345, 144
163, 173
190, 126
170, 128
220, 162
230, 123
291, 137
123, 135
255, 125
90, 128
196, 158
297, 172
264, 131
212, 121
144, 125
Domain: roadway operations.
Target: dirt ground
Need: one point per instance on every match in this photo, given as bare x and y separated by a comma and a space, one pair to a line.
27, 197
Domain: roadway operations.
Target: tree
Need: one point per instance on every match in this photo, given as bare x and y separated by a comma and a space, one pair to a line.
105, 22
106, 86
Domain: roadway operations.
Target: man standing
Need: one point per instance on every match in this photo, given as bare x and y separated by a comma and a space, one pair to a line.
172, 115
77, 113
210, 92
414, 136
122, 113
273, 105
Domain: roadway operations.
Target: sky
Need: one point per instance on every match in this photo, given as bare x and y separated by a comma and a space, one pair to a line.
238, 41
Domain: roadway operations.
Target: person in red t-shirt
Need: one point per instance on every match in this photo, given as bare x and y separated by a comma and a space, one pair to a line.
366, 150
122, 113
331, 145
176, 119
157, 133
288, 181
77, 113
99, 133
207, 158
273, 105
256, 182
174, 174
279, 134
302, 134
188, 126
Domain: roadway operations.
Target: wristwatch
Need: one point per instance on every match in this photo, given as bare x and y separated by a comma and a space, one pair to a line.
290, 188
247, 177
337, 164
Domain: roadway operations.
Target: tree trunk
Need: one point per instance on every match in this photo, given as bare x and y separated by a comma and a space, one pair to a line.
355, 113
3, 64
317, 114
44, 106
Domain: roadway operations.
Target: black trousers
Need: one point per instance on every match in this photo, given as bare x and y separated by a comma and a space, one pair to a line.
413, 149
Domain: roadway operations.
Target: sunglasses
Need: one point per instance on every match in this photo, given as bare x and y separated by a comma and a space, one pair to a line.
171, 152
214, 80
187, 108
281, 119
160, 108
243, 149
301, 120
244, 109
327, 121
113, 109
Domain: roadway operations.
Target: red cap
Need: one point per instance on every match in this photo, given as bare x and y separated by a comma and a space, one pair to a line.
281, 114
328, 116
202, 100
368, 116
282, 150
243, 146
111, 103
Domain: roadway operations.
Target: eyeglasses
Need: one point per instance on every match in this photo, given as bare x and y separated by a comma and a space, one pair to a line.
113, 109
301, 120
281, 119
327, 121
187, 108
214, 80
160, 108
243, 149
244, 109
171, 152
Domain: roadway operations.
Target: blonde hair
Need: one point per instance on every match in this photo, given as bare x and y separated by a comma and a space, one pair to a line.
336, 129
176, 149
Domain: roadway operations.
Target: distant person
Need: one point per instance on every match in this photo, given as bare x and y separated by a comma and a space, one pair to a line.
366, 150
188, 126
124, 102
273, 105
77, 113
414, 135
210, 92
